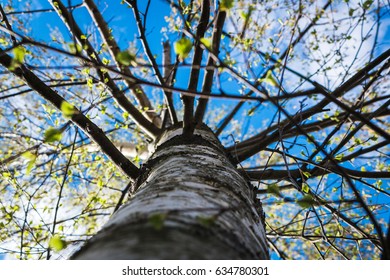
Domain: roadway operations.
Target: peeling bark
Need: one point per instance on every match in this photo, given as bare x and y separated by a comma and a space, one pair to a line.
190, 202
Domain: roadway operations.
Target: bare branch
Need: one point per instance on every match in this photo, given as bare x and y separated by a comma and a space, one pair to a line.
188, 122
271, 174
209, 75
168, 80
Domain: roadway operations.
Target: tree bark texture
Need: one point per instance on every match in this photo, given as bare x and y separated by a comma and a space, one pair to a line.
190, 202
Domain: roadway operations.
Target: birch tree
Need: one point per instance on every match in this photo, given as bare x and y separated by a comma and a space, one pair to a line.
197, 129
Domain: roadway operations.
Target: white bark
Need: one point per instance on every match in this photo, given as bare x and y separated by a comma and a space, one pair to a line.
129, 150
206, 209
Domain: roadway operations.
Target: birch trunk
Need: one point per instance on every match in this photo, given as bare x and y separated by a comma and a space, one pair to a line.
190, 203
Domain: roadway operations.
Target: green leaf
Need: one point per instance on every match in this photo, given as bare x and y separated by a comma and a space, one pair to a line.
126, 59
306, 174
367, 4
183, 47
52, 135
318, 158
305, 188
207, 42
6, 174
18, 59
19, 53
125, 115
339, 157
136, 159
100, 183
378, 183
56, 243
105, 61
157, 220
244, 15
90, 82
30, 165
3, 42
29, 155
358, 141
226, 5
74, 48
307, 201
269, 79
273, 189
86, 71
31, 159
68, 109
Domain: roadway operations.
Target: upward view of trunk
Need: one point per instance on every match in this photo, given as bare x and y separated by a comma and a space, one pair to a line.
190, 203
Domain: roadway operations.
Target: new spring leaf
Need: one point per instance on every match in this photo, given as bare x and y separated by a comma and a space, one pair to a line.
126, 59
67, 109
52, 135
183, 47
56, 243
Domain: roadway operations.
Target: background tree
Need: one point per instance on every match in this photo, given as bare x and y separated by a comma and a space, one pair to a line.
296, 91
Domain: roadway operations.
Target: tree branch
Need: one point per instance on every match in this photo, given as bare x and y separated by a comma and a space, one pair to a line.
188, 101
152, 60
114, 50
209, 75
93, 131
118, 95
274, 174
329, 97
168, 80
231, 115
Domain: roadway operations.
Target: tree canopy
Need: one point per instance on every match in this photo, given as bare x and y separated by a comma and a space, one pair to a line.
296, 90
